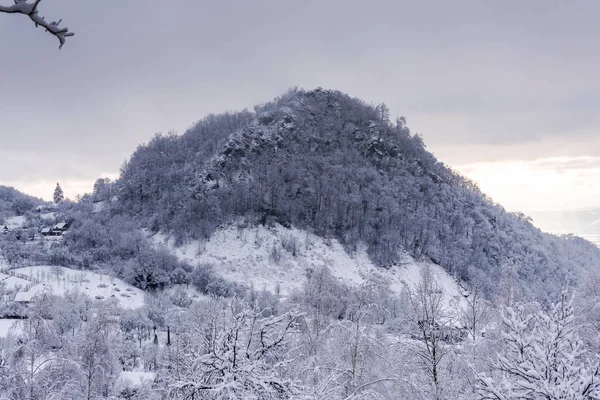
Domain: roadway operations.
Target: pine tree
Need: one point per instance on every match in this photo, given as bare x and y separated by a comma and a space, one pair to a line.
58, 194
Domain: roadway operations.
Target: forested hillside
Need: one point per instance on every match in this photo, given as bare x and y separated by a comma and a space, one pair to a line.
323, 161
15, 203
291, 253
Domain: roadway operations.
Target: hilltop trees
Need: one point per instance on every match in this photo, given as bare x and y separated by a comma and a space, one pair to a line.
30, 9
102, 189
13, 202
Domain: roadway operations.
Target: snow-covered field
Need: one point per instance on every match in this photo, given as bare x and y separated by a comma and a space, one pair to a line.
48, 216
62, 280
12, 282
257, 256
15, 222
135, 378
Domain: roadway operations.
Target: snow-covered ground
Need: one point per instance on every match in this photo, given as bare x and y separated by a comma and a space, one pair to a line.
135, 378
48, 216
15, 222
97, 286
257, 256
12, 282
99, 206
7, 326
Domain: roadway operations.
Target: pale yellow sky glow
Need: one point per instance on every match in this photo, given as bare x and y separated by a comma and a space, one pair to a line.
557, 183
554, 183
45, 189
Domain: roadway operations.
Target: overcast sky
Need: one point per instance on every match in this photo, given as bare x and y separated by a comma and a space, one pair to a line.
507, 92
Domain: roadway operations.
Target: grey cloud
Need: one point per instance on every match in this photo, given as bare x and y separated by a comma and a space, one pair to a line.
567, 163
502, 73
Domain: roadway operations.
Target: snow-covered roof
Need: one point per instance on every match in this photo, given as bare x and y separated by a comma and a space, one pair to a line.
99, 206
46, 207
24, 297
45, 230
60, 225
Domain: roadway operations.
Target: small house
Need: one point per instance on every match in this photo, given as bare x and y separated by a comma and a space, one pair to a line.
59, 229
45, 231
46, 208
23, 297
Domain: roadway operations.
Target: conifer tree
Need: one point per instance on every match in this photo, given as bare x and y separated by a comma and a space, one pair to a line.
58, 194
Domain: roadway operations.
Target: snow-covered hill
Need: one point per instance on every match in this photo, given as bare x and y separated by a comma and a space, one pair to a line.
279, 257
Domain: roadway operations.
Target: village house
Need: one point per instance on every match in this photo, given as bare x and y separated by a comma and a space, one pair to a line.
24, 298
56, 230
46, 208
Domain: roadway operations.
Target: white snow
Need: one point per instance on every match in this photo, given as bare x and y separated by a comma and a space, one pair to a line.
15, 222
246, 255
7, 326
24, 297
135, 378
99, 206
63, 280
12, 282
48, 216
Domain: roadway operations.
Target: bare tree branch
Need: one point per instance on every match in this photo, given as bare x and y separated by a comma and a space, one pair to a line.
30, 8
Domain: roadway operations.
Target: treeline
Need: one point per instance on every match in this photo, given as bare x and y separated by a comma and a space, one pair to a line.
323, 341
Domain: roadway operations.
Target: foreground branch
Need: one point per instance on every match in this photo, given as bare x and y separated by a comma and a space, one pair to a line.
29, 8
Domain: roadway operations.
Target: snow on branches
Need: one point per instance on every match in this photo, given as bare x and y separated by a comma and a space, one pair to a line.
544, 358
30, 8
240, 353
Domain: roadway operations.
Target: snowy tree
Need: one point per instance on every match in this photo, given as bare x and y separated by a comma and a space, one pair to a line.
428, 314
58, 194
543, 358
241, 355
588, 309
477, 311
94, 350
31, 357
30, 9
354, 363
102, 189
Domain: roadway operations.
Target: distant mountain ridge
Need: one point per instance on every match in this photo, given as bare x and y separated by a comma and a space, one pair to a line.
584, 222
333, 165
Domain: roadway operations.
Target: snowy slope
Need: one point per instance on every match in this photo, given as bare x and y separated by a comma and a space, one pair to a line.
48, 216
258, 256
15, 222
95, 285
12, 282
